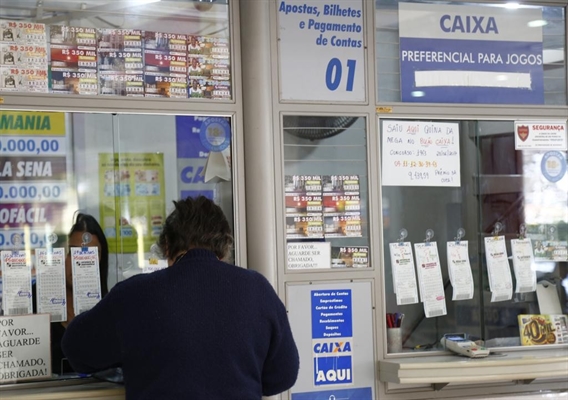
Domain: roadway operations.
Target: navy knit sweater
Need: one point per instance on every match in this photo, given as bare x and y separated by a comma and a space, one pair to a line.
200, 329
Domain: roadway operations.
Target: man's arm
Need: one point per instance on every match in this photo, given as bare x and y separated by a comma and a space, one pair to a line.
283, 361
91, 341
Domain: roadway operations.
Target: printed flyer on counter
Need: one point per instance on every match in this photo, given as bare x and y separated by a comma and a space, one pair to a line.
539, 329
131, 184
33, 176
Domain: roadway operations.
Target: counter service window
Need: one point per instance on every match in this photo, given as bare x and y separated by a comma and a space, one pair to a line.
476, 236
135, 48
83, 198
486, 53
326, 190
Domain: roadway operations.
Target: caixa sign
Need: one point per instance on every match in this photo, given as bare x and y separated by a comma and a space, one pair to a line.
333, 370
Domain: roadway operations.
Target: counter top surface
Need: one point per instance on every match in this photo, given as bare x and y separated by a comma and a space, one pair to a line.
65, 390
518, 365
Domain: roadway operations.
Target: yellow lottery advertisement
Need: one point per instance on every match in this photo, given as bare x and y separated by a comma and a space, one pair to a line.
132, 199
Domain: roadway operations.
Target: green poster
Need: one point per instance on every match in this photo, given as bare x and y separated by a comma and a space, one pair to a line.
132, 199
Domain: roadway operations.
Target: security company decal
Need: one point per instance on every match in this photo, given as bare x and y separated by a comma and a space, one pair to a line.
471, 54
541, 135
332, 337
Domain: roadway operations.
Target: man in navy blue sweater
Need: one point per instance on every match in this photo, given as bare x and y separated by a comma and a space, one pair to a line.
199, 329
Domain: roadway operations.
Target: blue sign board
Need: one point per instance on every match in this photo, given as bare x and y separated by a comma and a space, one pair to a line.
191, 135
333, 370
470, 54
338, 394
332, 315
332, 336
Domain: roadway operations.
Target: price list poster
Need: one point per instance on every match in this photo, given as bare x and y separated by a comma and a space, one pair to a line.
33, 176
165, 69
23, 57
209, 67
73, 52
121, 62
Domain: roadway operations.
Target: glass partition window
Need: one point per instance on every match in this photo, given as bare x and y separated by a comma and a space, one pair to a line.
139, 48
326, 192
484, 53
511, 209
111, 168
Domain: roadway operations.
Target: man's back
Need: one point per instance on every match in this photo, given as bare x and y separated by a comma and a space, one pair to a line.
200, 329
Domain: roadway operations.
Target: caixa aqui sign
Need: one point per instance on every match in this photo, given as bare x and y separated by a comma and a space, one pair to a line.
332, 361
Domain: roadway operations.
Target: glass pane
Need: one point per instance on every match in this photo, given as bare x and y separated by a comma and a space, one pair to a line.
420, 75
498, 184
520, 188
175, 49
326, 189
417, 208
158, 174
55, 166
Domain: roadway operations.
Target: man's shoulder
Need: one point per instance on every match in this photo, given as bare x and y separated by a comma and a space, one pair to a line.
252, 279
138, 281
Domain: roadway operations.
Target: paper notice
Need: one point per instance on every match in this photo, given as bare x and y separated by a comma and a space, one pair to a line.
430, 279
498, 269
16, 282
523, 264
459, 270
86, 278
404, 277
51, 293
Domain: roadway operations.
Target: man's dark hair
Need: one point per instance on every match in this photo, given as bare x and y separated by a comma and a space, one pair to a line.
196, 223
88, 223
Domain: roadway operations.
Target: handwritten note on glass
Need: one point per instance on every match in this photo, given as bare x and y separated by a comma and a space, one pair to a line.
419, 153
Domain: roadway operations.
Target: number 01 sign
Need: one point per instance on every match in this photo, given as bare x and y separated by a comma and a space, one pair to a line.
322, 50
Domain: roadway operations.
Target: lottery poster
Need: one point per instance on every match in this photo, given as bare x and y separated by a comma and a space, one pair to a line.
73, 62
132, 199
342, 206
350, 257
165, 60
23, 57
121, 62
33, 177
537, 329
209, 89
304, 218
209, 70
